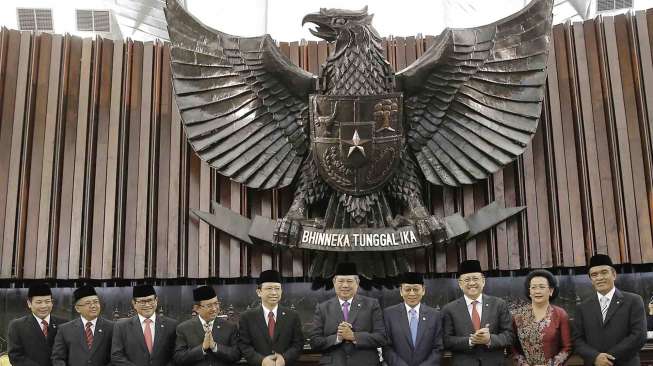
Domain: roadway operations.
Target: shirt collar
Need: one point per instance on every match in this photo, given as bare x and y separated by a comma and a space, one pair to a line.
266, 311
141, 318
468, 301
350, 301
84, 321
609, 295
38, 320
408, 308
205, 323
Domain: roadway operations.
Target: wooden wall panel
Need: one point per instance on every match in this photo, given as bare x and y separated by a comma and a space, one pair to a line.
93, 159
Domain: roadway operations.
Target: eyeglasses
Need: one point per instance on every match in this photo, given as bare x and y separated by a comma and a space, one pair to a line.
213, 305
42, 302
145, 301
90, 303
468, 280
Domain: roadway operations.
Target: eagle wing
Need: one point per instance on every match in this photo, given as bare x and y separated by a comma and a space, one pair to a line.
473, 100
242, 103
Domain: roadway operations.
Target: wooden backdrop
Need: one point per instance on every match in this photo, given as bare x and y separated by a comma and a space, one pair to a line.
96, 179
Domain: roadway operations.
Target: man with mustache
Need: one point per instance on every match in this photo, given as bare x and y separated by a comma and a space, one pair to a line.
30, 338
270, 334
147, 338
477, 327
85, 341
609, 326
206, 340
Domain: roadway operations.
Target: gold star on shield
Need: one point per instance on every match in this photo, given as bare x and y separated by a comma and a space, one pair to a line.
357, 144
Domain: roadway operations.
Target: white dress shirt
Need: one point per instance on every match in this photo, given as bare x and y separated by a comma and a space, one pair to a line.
479, 306
266, 311
609, 295
408, 309
47, 319
94, 322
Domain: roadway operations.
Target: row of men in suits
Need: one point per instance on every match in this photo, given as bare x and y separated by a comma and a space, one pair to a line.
347, 330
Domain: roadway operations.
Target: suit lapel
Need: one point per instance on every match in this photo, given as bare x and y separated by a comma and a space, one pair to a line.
423, 317
353, 309
403, 322
35, 328
82, 334
280, 322
337, 310
98, 335
137, 332
488, 310
261, 323
199, 329
463, 313
615, 303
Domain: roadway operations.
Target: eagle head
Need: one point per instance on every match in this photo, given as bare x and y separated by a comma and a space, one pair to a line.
339, 24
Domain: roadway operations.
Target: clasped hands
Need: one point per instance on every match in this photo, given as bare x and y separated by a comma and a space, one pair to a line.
345, 332
274, 359
481, 336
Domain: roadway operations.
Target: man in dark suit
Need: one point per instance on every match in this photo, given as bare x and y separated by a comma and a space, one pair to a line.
206, 339
609, 326
270, 334
477, 327
85, 341
30, 337
349, 328
147, 338
414, 329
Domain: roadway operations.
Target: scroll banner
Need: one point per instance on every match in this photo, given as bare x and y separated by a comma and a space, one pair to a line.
259, 230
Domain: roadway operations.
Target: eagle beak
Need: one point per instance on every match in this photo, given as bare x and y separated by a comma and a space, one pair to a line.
323, 29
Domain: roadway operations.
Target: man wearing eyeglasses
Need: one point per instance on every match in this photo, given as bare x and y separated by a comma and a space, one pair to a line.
270, 334
610, 326
147, 338
348, 328
30, 338
477, 327
85, 341
206, 339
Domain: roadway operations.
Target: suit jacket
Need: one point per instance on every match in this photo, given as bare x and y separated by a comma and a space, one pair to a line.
188, 345
27, 346
70, 347
400, 350
622, 335
255, 343
458, 326
367, 319
128, 346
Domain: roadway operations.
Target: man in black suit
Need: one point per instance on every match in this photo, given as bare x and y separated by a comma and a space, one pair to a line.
609, 326
30, 337
147, 338
85, 341
348, 328
414, 329
477, 327
270, 334
206, 339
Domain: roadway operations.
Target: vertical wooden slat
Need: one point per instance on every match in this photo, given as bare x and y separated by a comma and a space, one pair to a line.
10, 42
102, 158
626, 198
501, 239
204, 205
11, 209
177, 141
224, 245
36, 124
164, 172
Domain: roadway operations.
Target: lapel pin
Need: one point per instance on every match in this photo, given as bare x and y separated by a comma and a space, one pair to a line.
282, 313
423, 318
359, 305
54, 325
99, 330
162, 325
218, 327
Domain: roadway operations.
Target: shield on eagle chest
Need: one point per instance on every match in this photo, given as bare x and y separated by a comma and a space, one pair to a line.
357, 140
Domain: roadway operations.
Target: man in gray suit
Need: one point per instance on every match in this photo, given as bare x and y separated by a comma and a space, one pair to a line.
477, 327
349, 328
147, 338
609, 326
206, 340
414, 329
85, 341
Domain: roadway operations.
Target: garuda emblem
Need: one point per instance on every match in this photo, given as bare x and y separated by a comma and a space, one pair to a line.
358, 140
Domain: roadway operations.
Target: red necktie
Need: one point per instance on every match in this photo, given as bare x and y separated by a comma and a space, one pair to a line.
148, 334
476, 319
44, 328
271, 324
89, 335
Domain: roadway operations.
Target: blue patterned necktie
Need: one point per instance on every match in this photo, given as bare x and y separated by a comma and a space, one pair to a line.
413, 325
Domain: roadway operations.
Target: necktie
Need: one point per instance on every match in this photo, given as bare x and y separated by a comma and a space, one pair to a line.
89, 335
476, 319
44, 328
148, 334
413, 325
345, 310
604, 306
271, 324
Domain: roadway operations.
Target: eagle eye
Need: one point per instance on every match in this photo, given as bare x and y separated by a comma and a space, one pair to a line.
339, 21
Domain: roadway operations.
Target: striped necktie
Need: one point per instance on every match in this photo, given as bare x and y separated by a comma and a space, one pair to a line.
605, 304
